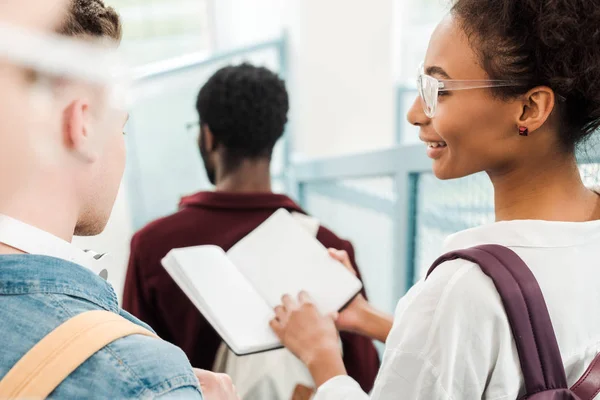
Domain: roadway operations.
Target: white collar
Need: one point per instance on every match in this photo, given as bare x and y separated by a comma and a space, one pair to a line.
526, 233
32, 240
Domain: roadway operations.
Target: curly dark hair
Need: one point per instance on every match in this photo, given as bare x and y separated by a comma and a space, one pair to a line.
92, 18
542, 42
245, 107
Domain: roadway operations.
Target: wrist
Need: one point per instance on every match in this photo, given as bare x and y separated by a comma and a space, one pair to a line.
374, 323
319, 354
325, 363
363, 312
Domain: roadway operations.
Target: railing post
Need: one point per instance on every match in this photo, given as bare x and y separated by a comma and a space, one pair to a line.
301, 194
411, 236
405, 229
400, 232
289, 179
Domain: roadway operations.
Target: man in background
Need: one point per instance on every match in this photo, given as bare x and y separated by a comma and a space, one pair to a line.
243, 111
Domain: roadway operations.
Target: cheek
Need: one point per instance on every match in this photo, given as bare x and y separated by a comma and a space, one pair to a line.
471, 121
477, 133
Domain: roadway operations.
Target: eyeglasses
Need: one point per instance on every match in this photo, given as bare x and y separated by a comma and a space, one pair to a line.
430, 87
192, 128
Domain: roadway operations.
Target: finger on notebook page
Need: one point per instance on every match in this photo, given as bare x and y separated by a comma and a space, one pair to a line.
277, 327
280, 314
304, 297
288, 302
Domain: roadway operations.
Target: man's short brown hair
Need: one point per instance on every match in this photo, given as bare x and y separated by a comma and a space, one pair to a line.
91, 18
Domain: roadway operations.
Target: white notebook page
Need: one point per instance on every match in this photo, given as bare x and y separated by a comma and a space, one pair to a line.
225, 298
282, 257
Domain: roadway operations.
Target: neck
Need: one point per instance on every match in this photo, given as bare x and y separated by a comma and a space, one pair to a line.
251, 176
545, 191
40, 203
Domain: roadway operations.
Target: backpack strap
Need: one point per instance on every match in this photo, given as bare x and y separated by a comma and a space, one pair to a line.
60, 352
528, 316
588, 386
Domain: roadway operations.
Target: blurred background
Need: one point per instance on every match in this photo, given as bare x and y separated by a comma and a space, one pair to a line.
349, 156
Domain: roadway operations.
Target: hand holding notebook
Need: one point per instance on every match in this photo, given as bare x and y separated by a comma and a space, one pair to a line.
236, 292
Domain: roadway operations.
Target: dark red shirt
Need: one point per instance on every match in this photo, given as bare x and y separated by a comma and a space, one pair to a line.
220, 219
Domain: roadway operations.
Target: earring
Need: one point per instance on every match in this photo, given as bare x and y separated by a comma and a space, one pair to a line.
523, 131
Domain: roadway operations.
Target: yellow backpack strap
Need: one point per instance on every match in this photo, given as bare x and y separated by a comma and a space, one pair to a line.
58, 354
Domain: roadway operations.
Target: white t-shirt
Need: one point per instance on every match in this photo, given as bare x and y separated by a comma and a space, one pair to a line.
451, 338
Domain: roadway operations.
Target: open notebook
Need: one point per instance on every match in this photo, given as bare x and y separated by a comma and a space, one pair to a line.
237, 291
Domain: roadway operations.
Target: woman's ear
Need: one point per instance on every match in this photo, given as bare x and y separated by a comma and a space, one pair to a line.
535, 107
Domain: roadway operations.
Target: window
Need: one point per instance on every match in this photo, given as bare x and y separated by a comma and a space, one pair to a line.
155, 30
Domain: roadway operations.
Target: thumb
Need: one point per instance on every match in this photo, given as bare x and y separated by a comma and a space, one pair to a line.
342, 257
334, 316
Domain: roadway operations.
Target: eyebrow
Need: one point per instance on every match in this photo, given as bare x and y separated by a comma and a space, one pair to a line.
439, 71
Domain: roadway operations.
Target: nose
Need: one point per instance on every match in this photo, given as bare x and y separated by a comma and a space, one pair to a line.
416, 116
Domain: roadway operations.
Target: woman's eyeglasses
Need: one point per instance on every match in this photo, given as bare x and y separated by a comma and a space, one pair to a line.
430, 87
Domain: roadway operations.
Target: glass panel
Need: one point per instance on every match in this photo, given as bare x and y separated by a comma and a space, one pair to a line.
164, 162
591, 175
369, 229
446, 207
380, 187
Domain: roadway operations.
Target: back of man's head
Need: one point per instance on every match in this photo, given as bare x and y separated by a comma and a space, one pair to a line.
68, 162
91, 18
245, 110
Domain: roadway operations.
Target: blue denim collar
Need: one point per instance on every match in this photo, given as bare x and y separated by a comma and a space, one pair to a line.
33, 274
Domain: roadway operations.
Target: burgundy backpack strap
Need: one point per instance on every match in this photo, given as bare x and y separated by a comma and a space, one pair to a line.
588, 386
539, 355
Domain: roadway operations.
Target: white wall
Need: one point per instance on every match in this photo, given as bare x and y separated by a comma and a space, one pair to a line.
342, 76
238, 23
340, 59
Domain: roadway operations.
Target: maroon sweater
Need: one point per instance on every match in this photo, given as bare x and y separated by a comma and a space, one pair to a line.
219, 219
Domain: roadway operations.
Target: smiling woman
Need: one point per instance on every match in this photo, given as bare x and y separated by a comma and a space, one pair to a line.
500, 108
509, 88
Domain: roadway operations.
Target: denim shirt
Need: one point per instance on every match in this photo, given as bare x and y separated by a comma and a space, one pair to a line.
38, 293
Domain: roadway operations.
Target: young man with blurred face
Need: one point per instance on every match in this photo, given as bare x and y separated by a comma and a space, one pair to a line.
63, 158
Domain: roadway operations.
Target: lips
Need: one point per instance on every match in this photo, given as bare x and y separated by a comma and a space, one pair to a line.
435, 145
435, 148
